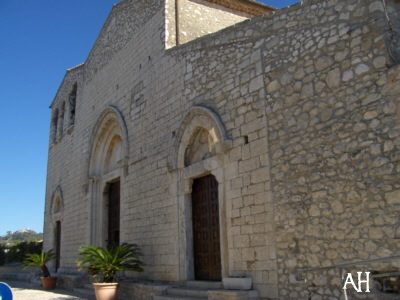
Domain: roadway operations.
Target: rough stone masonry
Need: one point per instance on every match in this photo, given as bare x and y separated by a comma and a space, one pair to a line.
294, 113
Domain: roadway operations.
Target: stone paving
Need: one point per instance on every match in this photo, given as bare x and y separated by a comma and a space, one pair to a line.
27, 291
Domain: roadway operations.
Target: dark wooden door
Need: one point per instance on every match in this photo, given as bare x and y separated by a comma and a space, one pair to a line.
206, 238
113, 214
58, 244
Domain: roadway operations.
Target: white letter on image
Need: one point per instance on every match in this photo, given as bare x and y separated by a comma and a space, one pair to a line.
361, 281
349, 279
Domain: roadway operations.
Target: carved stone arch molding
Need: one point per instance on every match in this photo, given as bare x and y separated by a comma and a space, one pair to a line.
109, 135
199, 120
57, 204
107, 165
197, 151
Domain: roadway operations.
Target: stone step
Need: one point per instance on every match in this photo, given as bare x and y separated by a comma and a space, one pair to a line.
191, 290
202, 290
188, 292
174, 297
212, 285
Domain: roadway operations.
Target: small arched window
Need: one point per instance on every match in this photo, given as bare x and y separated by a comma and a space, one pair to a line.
61, 121
72, 104
54, 122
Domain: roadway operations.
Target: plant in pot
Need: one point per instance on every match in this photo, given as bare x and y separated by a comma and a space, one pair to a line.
103, 264
40, 260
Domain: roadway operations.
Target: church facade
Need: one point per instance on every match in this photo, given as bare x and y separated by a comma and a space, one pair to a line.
231, 140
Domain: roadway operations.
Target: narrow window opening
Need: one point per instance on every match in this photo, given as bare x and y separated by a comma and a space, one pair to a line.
72, 104
61, 126
54, 126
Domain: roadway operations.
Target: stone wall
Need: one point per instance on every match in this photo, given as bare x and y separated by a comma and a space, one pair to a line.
61, 171
334, 140
303, 107
199, 18
124, 20
236, 92
187, 20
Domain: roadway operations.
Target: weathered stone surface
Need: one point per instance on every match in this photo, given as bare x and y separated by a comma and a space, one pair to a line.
296, 114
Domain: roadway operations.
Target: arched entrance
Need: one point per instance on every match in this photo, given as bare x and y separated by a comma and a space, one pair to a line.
57, 211
197, 166
107, 168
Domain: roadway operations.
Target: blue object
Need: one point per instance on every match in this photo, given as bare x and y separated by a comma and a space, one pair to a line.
5, 292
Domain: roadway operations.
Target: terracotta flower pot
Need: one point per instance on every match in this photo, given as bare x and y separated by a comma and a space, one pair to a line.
49, 283
105, 291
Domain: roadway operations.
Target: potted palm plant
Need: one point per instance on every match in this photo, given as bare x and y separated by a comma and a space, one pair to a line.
40, 260
103, 264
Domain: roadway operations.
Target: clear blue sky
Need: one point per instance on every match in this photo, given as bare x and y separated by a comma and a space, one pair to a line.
40, 39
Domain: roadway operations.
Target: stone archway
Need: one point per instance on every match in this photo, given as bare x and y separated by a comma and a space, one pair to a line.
57, 213
107, 168
198, 151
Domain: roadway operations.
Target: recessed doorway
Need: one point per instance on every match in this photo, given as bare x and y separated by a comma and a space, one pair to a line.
113, 214
206, 232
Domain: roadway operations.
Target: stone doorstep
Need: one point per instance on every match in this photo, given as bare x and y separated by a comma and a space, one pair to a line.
233, 295
175, 297
214, 285
196, 290
202, 290
187, 294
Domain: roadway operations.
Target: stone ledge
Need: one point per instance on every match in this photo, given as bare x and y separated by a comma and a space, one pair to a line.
237, 283
233, 295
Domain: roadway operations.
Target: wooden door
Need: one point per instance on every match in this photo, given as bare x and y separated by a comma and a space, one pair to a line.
58, 244
206, 237
113, 214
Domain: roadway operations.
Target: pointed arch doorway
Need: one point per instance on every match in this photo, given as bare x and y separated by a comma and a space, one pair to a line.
206, 232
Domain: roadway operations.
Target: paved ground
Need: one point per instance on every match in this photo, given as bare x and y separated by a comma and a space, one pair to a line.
26, 291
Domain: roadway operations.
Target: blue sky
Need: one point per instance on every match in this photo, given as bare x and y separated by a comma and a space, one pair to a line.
40, 40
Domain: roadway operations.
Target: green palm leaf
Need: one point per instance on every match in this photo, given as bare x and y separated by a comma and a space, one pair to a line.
103, 264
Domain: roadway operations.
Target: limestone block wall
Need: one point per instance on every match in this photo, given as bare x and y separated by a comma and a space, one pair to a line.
333, 128
305, 104
228, 78
62, 171
186, 20
333, 132
99, 83
198, 18
145, 88
125, 18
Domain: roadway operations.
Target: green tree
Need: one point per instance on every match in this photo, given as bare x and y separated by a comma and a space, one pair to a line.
2, 255
18, 251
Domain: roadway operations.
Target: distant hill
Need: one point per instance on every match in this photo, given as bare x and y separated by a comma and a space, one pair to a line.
24, 235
